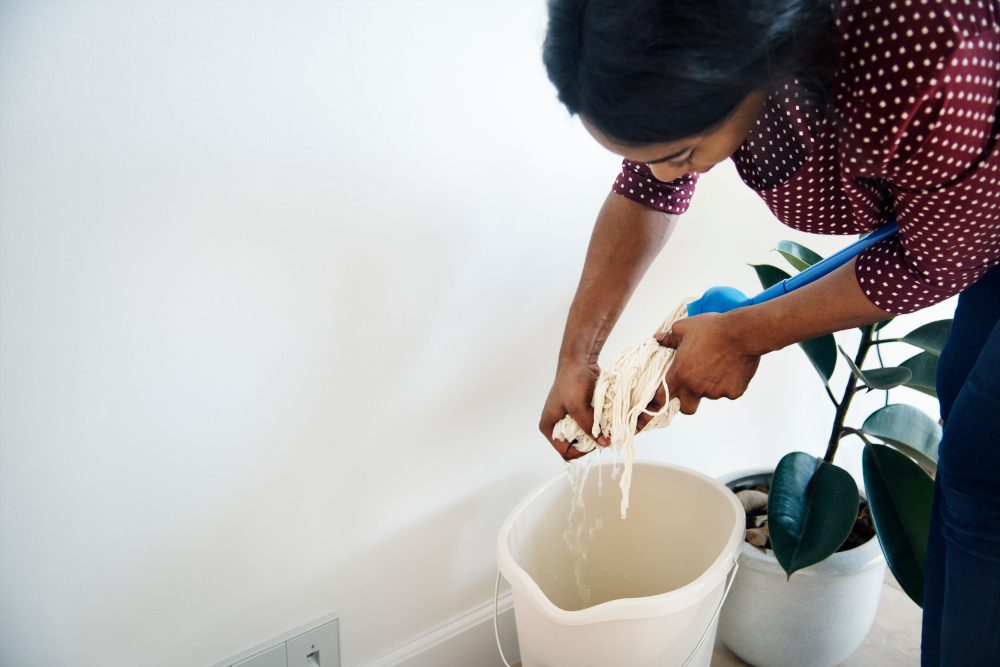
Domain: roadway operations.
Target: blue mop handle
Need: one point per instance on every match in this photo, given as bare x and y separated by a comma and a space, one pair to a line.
825, 266
723, 299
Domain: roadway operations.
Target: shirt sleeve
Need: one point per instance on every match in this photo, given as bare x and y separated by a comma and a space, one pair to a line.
926, 127
636, 182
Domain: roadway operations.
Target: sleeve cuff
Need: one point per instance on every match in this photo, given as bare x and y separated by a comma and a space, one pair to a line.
636, 182
897, 285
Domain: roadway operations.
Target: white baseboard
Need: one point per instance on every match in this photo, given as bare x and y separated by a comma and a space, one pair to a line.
467, 640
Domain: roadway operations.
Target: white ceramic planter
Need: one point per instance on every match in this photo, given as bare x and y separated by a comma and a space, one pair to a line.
815, 619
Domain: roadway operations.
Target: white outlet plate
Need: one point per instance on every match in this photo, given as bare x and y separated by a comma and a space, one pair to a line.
317, 648
273, 657
294, 647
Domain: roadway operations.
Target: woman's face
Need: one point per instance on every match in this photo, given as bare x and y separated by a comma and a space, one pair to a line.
671, 160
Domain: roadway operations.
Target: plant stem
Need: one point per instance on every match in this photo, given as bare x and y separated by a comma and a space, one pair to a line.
878, 351
882, 341
858, 432
830, 394
849, 391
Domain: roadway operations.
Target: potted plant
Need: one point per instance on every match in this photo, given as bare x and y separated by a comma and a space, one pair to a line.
807, 593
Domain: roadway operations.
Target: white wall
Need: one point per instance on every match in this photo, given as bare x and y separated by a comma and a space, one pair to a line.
281, 289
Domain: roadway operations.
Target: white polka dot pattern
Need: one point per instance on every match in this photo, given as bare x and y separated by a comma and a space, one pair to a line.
911, 132
637, 182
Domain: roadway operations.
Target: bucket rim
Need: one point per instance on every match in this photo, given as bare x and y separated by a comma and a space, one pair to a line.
625, 608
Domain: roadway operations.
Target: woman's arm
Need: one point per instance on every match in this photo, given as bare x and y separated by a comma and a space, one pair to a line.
833, 303
718, 354
627, 237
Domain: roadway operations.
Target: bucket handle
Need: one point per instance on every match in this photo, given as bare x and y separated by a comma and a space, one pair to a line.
725, 593
718, 608
496, 625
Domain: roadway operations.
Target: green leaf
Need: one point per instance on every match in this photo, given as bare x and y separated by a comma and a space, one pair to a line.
930, 337
881, 325
910, 430
924, 369
900, 494
812, 507
797, 255
855, 371
822, 352
769, 275
878, 378
886, 378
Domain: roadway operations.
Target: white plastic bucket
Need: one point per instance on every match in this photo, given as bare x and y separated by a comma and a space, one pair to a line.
656, 579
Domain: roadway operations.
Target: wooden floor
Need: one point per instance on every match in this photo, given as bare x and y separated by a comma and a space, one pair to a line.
894, 640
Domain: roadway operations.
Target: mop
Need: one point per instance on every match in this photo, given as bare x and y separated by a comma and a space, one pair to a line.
625, 388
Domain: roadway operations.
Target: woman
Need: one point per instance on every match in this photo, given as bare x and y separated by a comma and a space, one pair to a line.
842, 117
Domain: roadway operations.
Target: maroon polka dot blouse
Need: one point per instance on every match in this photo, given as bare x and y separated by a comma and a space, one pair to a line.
910, 133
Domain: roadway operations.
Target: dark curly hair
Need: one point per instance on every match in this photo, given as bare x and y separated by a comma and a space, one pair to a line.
650, 71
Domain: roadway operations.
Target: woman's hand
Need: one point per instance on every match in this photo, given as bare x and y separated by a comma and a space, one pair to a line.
718, 353
571, 394
627, 237
713, 360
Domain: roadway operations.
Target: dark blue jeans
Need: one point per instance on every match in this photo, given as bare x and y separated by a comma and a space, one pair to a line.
961, 624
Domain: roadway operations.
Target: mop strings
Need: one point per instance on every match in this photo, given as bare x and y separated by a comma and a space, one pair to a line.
623, 392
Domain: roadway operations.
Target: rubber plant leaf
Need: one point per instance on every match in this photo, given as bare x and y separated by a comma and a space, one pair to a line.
900, 495
930, 337
822, 350
769, 275
854, 367
908, 429
886, 378
797, 255
812, 507
878, 378
924, 369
